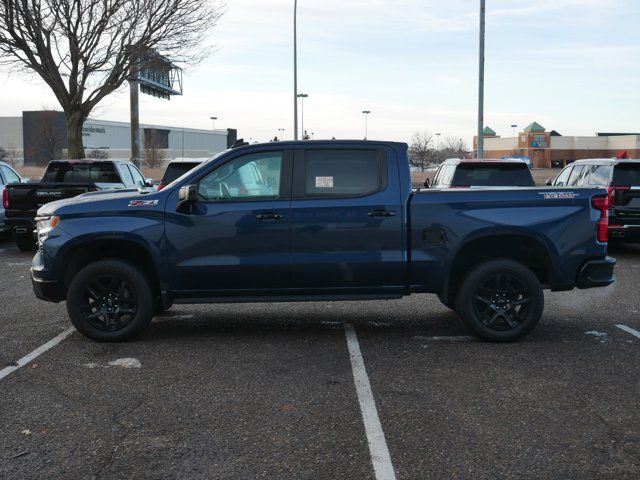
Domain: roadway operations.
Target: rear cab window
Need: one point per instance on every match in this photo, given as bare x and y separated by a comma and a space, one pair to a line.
626, 175
340, 173
79, 172
493, 175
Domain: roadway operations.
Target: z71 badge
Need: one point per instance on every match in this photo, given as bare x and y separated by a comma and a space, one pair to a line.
558, 195
143, 203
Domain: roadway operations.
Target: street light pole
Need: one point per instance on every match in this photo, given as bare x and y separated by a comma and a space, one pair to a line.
514, 129
438, 148
481, 82
295, 70
281, 130
366, 123
213, 119
302, 96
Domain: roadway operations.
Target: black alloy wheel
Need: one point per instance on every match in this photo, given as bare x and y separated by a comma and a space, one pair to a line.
500, 300
110, 300
110, 303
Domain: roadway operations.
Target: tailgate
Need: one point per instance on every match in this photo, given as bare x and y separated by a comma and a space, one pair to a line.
626, 193
26, 198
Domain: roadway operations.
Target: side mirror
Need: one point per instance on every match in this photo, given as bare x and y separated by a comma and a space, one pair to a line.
25, 180
148, 182
188, 194
427, 183
549, 182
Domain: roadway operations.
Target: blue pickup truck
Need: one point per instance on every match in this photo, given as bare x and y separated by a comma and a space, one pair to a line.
319, 220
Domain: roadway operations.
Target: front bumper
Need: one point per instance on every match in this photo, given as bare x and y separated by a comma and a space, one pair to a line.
21, 227
48, 290
597, 273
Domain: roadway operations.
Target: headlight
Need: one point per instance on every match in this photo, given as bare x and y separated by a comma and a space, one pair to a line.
44, 225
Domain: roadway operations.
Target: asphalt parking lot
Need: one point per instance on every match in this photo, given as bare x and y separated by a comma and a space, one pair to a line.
268, 391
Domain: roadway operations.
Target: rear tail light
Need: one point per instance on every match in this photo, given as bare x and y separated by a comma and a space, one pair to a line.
602, 227
5, 198
161, 186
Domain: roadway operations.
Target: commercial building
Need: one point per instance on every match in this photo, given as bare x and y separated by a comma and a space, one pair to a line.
549, 148
40, 136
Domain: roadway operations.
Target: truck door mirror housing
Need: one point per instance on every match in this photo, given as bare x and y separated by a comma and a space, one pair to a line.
427, 183
549, 182
148, 182
188, 194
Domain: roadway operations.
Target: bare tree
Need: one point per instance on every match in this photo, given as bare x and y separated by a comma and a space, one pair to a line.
12, 155
453, 148
153, 156
420, 149
98, 154
84, 49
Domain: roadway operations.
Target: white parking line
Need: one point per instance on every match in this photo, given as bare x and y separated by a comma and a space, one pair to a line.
630, 330
36, 353
378, 450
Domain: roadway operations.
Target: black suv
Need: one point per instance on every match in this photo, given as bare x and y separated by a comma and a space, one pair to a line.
622, 179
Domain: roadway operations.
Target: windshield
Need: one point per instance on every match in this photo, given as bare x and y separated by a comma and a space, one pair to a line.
627, 174
493, 175
73, 172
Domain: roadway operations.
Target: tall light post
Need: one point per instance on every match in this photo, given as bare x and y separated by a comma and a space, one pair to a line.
295, 70
302, 96
366, 123
281, 130
514, 129
213, 119
481, 82
438, 147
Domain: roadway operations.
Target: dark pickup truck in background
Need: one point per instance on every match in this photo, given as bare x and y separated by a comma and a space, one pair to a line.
318, 220
621, 178
63, 179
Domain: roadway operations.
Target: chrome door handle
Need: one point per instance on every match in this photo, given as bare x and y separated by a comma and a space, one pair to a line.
381, 213
269, 216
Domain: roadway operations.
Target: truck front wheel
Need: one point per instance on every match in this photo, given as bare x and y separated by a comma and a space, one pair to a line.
500, 301
110, 301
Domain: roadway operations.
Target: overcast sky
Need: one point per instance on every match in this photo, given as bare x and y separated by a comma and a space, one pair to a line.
571, 65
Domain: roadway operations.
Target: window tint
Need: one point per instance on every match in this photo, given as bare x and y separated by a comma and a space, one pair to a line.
493, 175
576, 176
256, 176
627, 174
436, 178
9, 175
100, 172
342, 172
127, 179
563, 178
599, 175
176, 170
138, 179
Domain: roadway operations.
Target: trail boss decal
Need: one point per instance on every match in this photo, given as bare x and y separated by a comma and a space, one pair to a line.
558, 195
143, 203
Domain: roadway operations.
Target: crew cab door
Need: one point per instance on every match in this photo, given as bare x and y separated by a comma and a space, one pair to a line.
235, 236
347, 220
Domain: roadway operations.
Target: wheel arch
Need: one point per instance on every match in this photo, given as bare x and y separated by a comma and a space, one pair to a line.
529, 250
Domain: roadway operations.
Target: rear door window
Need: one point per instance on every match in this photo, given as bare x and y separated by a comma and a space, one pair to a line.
343, 173
627, 175
127, 179
576, 176
138, 178
493, 175
8, 175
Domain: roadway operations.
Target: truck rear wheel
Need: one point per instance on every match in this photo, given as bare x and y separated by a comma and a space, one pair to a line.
26, 244
500, 301
110, 301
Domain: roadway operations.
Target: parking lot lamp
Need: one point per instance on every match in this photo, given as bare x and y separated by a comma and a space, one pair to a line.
366, 123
